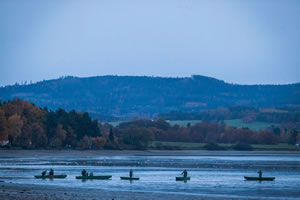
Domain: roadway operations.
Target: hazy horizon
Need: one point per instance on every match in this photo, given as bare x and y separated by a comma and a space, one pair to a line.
62, 77
242, 42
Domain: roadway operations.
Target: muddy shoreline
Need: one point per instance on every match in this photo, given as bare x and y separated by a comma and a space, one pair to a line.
12, 191
4, 153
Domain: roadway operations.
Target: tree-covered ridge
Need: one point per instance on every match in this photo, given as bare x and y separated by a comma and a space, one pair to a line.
132, 96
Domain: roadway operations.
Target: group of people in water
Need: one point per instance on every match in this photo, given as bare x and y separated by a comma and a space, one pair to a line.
85, 173
51, 172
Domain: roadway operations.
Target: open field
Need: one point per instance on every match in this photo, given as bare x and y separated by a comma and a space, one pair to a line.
172, 123
200, 146
116, 123
183, 122
238, 123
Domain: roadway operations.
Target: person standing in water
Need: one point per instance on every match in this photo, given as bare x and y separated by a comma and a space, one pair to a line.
44, 173
83, 172
130, 173
260, 173
185, 173
51, 173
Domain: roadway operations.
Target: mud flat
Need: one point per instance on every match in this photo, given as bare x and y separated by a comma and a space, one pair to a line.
11, 191
77, 153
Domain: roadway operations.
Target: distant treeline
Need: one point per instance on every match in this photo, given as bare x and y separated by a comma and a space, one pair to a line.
29, 126
247, 114
212, 132
25, 125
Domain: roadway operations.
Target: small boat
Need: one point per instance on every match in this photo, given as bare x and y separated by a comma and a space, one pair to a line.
93, 177
180, 178
51, 177
248, 178
129, 178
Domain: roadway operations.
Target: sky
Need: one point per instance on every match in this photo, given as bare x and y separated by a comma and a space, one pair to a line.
244, 42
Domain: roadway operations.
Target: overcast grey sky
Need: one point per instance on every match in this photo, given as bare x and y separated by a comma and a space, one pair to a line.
239, 41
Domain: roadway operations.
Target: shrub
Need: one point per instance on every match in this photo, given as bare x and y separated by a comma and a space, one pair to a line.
98, 142
213, 147
242, 147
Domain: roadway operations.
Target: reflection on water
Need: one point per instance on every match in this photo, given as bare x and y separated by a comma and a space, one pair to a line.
220, 175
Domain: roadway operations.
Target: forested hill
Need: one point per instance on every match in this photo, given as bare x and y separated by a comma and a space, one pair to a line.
132, 96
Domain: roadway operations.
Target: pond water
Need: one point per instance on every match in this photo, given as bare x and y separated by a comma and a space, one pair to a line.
211, 175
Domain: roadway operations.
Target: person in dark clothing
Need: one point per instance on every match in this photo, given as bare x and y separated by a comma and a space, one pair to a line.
44, 173
184, 173
130, 173
83, 173
51, 173
260, 173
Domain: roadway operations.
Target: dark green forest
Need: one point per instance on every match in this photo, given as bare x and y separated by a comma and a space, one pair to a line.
108, 98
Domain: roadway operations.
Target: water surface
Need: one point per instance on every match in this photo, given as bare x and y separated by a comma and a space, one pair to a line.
211, 175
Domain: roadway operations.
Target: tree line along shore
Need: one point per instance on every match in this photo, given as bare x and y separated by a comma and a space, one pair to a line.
25, 125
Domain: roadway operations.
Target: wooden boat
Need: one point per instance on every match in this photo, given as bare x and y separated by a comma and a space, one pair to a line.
51, 177
181, 178
129, 178
248, 178
93, 177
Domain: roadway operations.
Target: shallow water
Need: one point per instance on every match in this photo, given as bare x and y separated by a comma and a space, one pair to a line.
211, 175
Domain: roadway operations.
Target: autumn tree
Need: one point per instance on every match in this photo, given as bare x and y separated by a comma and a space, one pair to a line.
71, 140
14, 124
292, 139
3, 126
39, 137
138, 137
25, 139
267, 137
298, 138
59, 138
111, 136
86, 143
97, 142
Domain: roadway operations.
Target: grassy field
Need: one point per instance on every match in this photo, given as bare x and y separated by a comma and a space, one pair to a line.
200, 146
116, 123
183, 123
238, 123
172, 123
180, 145
277, 147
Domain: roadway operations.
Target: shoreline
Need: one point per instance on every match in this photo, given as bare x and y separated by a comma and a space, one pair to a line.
5, 153
14, 191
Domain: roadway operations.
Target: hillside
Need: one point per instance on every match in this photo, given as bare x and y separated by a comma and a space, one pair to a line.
132, 96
